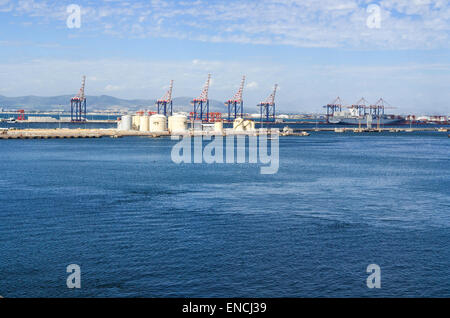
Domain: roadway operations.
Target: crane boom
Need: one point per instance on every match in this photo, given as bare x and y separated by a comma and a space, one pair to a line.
271, 99
80, 94
204, 95
168, 96
238, 96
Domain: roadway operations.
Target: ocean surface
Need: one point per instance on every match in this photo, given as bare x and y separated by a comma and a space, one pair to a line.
140, 225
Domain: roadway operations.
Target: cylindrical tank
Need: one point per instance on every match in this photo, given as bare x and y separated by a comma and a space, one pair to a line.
136, 121
158, 123
238, 124
177, 123
126, 122
218, 126
249, 125
144, 123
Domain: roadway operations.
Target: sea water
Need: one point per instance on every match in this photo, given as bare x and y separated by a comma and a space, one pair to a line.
140, 225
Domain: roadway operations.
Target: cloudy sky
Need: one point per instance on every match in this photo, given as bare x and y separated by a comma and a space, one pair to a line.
314, 49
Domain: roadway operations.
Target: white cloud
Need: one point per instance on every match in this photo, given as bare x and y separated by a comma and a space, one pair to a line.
405, 24
6, 6
308, 23
252, 85
112, 88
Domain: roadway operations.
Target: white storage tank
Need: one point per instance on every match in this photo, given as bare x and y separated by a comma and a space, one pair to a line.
177, 123
144, 123
158, 123
125, 123
218, 126
136, 121
249, 125
238, 124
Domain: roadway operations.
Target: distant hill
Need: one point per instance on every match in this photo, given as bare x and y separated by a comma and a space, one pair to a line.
102, 102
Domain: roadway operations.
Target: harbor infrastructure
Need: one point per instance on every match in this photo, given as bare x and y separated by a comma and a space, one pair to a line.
164, 105
50, 119
78, 104
362, 113
201, 103
267, 107
177, 126
235, 105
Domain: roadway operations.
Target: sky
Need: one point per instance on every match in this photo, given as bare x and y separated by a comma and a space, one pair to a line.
315, 50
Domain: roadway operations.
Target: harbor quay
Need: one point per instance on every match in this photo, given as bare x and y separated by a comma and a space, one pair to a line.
66, 133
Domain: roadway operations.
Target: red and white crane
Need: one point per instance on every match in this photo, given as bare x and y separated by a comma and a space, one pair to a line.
164, 104
78, 104
235, 105
201, 103
268, 106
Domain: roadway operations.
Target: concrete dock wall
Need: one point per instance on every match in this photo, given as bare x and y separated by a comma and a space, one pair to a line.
114, 133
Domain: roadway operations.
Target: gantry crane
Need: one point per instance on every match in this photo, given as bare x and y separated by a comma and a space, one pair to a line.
164, 104
361, 106
78, 104
378, 109
201, 103
333, 107
235, 105
267, 107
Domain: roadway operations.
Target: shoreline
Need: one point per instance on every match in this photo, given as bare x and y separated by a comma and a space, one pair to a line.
114, 133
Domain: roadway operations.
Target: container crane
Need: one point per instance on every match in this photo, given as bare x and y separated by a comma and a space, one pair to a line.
361, 106
334, 106
78, 104
267, 107
21, 114
201, 103
164, 104
378, 109
236, 104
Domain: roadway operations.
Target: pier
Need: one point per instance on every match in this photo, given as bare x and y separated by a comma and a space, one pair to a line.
370, 130
66, 133
70, 133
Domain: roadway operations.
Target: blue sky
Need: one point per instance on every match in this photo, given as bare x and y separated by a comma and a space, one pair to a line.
315, 50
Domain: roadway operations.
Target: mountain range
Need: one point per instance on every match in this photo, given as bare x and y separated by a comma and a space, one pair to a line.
103, 102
